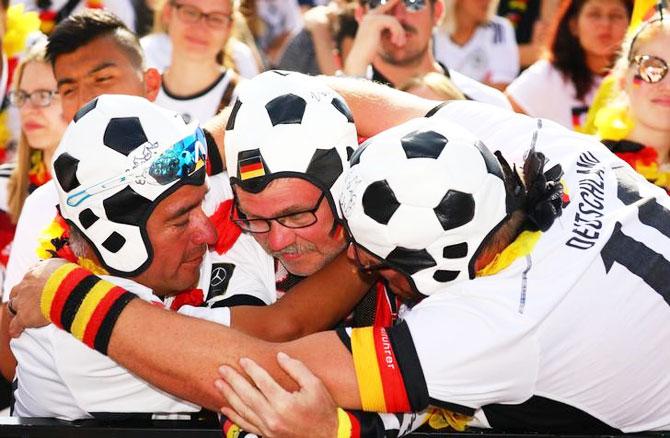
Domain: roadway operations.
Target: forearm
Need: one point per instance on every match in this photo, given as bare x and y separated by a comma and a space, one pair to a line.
317, 303
324, 48
7, 360
378, 107
181, 355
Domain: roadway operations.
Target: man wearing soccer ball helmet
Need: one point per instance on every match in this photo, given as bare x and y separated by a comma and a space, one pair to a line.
526, 278
131, 182
508, 346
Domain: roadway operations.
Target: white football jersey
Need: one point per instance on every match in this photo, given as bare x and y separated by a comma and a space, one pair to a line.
58, 376
574, 335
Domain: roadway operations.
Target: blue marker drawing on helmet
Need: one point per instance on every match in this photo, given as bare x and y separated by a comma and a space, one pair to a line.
179, 161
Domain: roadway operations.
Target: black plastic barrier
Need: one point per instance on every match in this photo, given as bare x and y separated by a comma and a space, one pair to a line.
50, 428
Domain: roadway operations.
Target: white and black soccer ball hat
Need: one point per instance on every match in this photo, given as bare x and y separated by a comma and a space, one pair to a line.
119, 157
286, 124
423, 196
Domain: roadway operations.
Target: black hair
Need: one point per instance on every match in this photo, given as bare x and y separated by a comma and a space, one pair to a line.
567, 55
82, 28
5, 4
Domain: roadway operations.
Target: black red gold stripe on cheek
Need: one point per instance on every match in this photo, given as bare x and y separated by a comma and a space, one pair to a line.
380, 381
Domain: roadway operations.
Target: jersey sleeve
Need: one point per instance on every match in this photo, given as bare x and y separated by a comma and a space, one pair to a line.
453, 354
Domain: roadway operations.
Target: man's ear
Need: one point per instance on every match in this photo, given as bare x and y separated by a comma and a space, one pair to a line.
438, 10
359, 11
152, 83
166, 16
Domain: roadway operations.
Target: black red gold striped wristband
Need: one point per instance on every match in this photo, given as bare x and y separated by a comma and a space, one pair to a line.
84, 305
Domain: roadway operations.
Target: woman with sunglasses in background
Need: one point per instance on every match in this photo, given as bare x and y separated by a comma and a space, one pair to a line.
585, 39
475, 41
636, 124
196, 83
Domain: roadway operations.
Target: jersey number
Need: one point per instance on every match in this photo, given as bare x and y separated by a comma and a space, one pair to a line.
638, 258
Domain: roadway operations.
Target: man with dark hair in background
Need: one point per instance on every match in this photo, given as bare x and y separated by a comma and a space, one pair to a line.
394, 44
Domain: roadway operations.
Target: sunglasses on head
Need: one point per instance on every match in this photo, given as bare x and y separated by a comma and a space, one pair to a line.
410, 5
650, 68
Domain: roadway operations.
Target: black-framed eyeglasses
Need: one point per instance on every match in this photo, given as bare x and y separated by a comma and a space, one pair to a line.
650, 68
299, 219
410, 5
192, 14
40, 97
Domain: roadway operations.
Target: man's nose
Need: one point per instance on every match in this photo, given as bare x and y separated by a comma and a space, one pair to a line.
279, 236
204, 229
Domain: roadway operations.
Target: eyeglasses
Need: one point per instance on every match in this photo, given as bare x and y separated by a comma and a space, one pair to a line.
650, 68
410, 5
192, 15
300, 219
41, 98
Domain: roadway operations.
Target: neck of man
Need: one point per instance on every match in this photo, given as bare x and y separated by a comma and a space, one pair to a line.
186, 77
399, 74
647, 136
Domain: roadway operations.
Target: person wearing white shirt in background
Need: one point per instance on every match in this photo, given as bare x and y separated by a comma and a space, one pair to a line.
196, 84
586, 37
157, 47
478, 43
393, 44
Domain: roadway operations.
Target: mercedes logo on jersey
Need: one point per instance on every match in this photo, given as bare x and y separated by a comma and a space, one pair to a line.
218, 281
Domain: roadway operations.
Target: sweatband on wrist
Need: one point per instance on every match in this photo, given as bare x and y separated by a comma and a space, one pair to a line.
84, 305
343, 424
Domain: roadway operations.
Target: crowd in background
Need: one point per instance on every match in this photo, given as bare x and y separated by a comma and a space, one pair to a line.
547, 59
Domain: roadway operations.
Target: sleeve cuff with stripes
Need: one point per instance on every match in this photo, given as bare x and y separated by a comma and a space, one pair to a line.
388, 370
84, 305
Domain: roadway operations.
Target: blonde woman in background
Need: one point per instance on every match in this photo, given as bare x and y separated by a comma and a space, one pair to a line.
240, 53
636, 125
476, 42
42, 126
195, 82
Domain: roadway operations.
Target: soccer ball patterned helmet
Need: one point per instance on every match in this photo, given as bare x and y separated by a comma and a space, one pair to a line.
287, 124
119, 157
423, 196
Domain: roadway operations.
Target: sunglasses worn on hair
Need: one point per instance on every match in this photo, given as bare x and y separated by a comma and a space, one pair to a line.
650, 68
180, 161
410, 5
